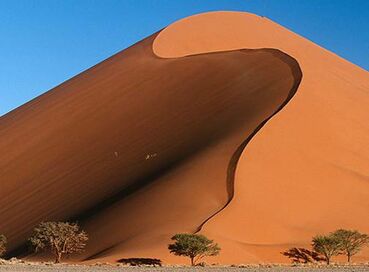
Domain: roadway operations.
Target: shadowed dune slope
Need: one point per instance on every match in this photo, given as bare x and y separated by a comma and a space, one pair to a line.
138, 147
307, 171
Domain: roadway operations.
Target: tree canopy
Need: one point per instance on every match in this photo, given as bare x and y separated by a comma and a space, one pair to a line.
58, 237
351, 241
327, 245
194, 246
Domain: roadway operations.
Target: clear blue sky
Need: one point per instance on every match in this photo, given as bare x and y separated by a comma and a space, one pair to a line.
45, 42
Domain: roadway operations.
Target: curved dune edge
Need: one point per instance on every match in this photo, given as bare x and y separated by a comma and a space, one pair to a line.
318, 142
155, 244
232, 167
193, 123
207, 32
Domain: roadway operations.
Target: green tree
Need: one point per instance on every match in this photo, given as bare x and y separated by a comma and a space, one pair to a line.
2, 244
59, 238
351, 241
327, 245
194, 246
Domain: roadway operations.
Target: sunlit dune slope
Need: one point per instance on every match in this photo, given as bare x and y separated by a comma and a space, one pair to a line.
307, 171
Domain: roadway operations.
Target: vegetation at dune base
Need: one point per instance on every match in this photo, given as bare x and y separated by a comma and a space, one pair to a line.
351, 242
2, 244
64, 238
324, 247
327, 245
60, 238
194, 246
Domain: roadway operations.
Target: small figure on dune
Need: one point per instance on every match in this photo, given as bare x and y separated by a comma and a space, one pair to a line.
151, 156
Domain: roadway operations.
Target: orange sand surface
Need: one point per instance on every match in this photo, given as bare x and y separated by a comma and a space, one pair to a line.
307, 170
193, 129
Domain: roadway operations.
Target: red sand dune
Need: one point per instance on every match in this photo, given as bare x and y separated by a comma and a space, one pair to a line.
156, 140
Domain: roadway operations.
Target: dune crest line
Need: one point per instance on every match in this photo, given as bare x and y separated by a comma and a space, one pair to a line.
232, 166
191, 111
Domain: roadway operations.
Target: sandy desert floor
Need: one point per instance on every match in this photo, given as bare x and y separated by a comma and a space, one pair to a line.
41, 268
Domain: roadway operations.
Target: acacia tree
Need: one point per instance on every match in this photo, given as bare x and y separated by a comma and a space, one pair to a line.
351, 241
328, 246
58, 237
2, 244
194, 246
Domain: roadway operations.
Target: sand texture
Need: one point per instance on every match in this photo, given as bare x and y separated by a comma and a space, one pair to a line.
223, 123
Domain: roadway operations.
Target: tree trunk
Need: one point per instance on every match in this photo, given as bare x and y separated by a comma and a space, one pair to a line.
192, 261
328, 260
58, 257
348, 257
